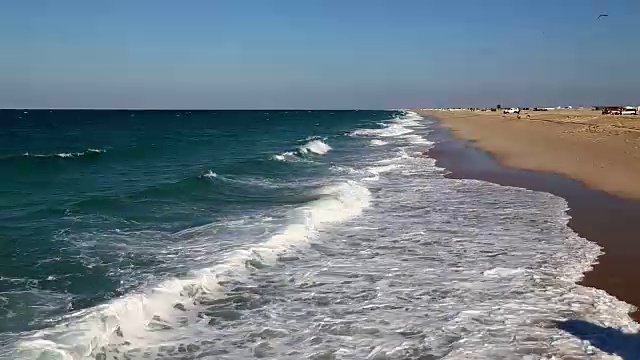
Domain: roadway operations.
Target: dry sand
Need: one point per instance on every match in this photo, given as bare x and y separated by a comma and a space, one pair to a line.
603, 152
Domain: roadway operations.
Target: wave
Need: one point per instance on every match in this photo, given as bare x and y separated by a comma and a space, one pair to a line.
245, 180
211, 189
389, 130
411, 118
376, 142
377, 170
396, 127
61, 155
317, 147
172, 197
68, 155
416, 139
401, 155
284, 156
210, 174
132, 323
313, 146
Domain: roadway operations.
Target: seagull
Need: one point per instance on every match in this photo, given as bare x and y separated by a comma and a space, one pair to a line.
601, 16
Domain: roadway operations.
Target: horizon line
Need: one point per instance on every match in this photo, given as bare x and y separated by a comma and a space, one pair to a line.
204, 109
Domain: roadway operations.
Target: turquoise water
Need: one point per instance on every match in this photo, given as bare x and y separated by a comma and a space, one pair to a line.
274, 234
76, 184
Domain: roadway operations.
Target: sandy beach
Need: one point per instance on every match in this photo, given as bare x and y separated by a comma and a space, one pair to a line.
603, 152
588, 159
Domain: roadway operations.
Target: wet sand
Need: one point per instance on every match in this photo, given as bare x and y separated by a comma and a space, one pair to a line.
611, 221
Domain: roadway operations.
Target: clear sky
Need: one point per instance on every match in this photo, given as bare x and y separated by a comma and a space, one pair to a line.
317, 53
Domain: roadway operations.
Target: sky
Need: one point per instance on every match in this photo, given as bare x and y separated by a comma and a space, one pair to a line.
317, 54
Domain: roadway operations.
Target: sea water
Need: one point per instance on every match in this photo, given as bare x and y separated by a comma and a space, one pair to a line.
275, 234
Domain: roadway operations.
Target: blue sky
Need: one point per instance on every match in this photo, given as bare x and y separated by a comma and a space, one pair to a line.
317, 53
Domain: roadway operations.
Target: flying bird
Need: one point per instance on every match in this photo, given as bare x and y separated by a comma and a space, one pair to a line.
601, 16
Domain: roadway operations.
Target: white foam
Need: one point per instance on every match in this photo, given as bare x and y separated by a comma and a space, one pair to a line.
382, 169
411, 118
284, 156
502, 272
417, 139
497, 266
442, 268
396, 127
81, 333
315, 146
210, 174
376, 142
377, 170
401, 155
344, 170
66, 155
391, 130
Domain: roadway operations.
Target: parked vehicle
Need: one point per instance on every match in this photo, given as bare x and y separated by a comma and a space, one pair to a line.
512, 111
619, 110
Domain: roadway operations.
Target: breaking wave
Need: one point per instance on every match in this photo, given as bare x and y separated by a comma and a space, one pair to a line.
313, 146
135, 322
209, 174
284, 156
390, 130
317, 147
60, 155
438, 268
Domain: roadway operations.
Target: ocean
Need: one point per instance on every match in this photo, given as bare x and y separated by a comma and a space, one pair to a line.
277, 235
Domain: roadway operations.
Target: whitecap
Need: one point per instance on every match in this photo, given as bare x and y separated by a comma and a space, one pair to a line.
376, 142
313, 145
287, 155
131, 321
391, 130
316, 146
210, 174
65, 155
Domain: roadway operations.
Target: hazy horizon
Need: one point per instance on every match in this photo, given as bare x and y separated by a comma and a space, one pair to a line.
317, 54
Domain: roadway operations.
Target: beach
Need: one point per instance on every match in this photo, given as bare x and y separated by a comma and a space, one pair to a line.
603, 152
589, 159
296, 234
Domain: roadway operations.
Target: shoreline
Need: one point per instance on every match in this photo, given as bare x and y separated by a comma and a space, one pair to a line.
608, 220
602, 152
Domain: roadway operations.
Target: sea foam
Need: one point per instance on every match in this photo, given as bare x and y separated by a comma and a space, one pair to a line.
316, 146
438, 268
210, 174
132, 322
376, 142
312, 146
62, 155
